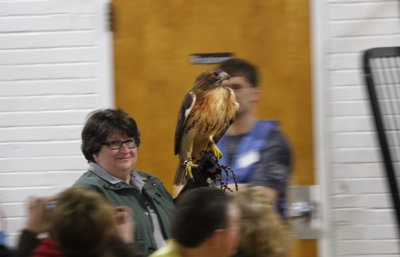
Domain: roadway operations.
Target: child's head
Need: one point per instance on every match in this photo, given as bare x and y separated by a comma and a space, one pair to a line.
81, 221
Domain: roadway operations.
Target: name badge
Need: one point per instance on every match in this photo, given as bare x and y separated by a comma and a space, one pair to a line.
248, 159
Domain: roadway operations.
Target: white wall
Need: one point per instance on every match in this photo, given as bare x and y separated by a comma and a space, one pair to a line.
55, 67
358, 218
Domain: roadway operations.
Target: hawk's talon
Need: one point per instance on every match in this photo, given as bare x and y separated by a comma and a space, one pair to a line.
216, 152
188, 164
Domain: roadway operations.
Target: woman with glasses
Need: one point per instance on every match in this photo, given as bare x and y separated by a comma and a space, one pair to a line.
110, 141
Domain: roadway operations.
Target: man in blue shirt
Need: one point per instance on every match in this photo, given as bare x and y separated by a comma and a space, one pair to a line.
255, 149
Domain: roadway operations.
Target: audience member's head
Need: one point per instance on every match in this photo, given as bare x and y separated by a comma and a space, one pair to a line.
101, 124
207, 218
237, 67
81, 221
263, 232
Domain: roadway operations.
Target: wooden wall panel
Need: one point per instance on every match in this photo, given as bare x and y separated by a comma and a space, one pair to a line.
152, 44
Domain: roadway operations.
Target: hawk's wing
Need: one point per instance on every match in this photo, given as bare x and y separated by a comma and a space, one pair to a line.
188, 102
218, 137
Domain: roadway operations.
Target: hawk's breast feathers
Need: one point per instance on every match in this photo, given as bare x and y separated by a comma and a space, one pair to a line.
205, 114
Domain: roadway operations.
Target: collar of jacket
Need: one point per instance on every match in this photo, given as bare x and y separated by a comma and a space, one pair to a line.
114, 183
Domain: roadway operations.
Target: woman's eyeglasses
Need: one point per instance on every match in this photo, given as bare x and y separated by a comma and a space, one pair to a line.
116, 144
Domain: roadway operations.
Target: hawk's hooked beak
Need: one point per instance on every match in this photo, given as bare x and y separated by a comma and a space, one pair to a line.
224, 76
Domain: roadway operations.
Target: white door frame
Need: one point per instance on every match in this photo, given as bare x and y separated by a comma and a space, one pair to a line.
322, 145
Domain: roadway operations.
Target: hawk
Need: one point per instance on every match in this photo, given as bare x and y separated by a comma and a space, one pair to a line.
205, 114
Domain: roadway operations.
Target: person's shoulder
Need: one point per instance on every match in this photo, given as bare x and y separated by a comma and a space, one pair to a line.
277, 137
89, 179
277, 134
118, 248
168, 250
47, 247
277, 140
6, 252
155, 188
147, 175
150, 179
268, 128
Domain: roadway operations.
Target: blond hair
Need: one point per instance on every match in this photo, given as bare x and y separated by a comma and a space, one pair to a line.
81, 221
263, 232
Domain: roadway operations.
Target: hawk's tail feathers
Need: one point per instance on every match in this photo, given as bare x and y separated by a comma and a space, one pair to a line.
180, 175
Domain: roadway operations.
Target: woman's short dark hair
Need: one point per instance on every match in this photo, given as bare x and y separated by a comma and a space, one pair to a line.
100, 124
199, 212
239, 67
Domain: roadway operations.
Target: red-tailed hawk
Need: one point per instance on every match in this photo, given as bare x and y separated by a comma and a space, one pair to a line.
205, 114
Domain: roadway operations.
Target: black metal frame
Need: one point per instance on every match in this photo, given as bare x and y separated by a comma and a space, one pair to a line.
382, 72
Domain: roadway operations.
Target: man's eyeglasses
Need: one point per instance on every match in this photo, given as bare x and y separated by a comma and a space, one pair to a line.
116, 144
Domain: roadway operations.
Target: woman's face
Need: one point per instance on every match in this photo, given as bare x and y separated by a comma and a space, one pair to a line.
119, 162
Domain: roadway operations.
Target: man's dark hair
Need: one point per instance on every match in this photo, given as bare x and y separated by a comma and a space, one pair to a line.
199, 212
239, 67
101, 124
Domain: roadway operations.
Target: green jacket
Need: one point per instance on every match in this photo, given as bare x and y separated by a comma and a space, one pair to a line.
122, 194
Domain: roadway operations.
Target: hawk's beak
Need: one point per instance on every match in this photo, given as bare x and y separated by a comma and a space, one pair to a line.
223, 75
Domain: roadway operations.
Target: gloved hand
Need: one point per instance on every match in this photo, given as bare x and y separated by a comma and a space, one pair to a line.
205, 175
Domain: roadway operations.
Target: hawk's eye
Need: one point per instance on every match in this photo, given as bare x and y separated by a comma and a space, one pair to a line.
216, 74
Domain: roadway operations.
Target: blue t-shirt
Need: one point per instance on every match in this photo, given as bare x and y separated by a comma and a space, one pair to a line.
271, 167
